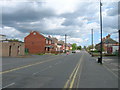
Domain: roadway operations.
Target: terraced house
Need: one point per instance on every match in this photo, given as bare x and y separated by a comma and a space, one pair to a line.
109, 45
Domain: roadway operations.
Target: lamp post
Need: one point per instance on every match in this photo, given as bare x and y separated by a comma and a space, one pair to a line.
92, 40
100, 59
65, 42
119, 44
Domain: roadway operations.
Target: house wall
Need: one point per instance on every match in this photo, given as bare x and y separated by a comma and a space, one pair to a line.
115, 48
35, 43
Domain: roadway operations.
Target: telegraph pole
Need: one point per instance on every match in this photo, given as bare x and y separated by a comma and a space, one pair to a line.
65, 42
101, 49
119, 44
92, 38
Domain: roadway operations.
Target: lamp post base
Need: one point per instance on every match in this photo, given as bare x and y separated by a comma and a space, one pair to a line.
100, 60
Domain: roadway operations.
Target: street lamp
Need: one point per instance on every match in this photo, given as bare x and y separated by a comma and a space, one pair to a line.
100, 59
119, 44
65, 42
92, 40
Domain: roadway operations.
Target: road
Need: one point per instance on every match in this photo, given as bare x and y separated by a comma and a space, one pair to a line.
76, 70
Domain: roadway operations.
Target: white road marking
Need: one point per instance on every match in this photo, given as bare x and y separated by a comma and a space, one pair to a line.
9, 85
42, 70
35, 73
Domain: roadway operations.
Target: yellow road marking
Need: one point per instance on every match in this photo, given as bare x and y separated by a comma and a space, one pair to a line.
70, 77
73, 75
73, 80
14, 69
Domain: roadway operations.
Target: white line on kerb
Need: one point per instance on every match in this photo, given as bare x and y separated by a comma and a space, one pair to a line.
9, 85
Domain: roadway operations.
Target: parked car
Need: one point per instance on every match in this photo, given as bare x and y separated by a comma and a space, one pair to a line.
73, 51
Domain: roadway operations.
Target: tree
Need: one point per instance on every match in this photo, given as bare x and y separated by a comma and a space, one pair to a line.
74, 46
79, 48
84, 47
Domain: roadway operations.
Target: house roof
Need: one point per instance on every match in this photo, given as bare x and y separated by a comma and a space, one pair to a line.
48, 38
54, 40
109, 41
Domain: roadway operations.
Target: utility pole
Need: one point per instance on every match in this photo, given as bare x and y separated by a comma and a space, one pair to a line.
65, 42
101, 46
92, 39
119, 43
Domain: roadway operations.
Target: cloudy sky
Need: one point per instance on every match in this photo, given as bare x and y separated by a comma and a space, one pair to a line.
75, 18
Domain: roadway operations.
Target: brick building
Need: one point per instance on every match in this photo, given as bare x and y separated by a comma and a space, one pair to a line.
48, 44
35, 42
108, 44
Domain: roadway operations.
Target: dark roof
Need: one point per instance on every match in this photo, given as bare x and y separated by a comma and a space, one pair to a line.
2, 35
109, 41
48, 38
11, 41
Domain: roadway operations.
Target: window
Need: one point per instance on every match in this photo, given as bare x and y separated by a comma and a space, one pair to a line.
50, 42
34, 33
46, 41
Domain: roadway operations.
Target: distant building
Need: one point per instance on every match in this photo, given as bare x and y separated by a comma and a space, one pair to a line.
61, 45
54, 43
35, 42
2, 37
68, 46
108, 44
48, 44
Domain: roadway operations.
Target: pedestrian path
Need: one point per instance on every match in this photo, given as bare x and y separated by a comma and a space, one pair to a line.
95, 75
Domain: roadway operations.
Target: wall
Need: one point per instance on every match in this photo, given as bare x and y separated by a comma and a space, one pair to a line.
35, 43
13, 51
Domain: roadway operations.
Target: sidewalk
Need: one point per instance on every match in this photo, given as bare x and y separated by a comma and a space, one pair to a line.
95, 75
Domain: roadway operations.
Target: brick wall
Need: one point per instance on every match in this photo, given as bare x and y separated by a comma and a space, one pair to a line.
35, 42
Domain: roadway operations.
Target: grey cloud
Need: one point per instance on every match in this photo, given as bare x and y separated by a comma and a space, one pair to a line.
110, 21
85, 9
112, 12
25, 13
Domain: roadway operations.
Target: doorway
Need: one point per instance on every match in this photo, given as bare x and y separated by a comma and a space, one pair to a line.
10, 50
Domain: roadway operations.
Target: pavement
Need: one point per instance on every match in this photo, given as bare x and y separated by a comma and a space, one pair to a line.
76, 70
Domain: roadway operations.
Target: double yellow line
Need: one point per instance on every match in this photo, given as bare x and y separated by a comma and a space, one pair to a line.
71, 81
29, 65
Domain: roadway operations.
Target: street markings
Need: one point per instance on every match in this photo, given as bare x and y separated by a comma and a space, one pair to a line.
71, 81
8, 85
29, 65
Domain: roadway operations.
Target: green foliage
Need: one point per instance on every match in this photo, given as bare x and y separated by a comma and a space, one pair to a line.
74, 46
85, 47
79, 48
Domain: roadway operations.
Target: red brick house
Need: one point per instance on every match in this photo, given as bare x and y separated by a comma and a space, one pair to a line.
48, 44
107, 44
35, 42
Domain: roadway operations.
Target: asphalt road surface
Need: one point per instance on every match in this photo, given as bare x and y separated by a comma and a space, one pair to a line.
76, 70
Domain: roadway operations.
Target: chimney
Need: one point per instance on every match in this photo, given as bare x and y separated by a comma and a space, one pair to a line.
103, 39
108, 36
49, 36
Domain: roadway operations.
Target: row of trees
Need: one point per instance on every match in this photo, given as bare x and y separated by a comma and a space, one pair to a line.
75, 47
